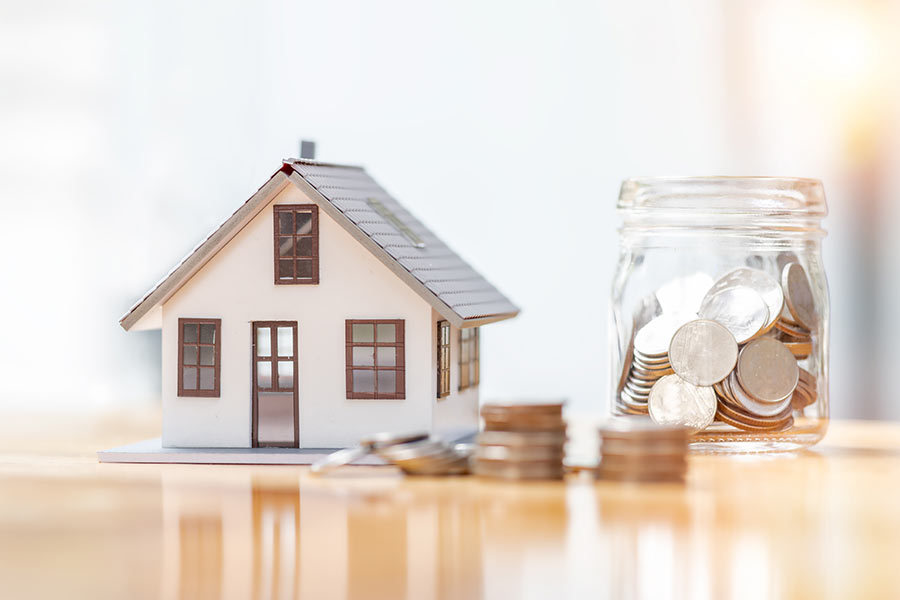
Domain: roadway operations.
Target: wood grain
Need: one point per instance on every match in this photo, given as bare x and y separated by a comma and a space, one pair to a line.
822, 523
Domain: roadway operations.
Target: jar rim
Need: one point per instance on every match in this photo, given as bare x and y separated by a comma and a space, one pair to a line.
758, 195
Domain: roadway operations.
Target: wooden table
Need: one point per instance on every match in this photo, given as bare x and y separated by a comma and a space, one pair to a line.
823, 523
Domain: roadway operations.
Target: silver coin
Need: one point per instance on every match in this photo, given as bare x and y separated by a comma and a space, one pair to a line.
412, 450
339, 459
703, 352
799, 297
767, 370
683, 294
652, 340
760, 281
674, 401
751, 405
378, 440
741, 309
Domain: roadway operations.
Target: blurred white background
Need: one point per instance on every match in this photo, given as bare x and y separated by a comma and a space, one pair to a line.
128, 130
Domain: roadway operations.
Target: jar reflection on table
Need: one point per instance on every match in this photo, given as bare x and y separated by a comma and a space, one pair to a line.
735, 251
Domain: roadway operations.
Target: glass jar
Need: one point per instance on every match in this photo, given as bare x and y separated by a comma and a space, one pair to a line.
719, 292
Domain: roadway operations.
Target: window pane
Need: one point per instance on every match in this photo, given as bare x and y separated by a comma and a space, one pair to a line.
286, 222
190, 355
285, 246
387, 382
445, 334
285, 269
363, 333
285, 341
264, 341
387, 332
364, 382
304, 269
190, 333
264, 374
304, 246
207, 333
190, 378
207, 379
304, 223
464, 352
363, 356
387, 357
207, 355
286, 374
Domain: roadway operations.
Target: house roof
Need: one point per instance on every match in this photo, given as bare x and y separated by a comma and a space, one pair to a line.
374, 218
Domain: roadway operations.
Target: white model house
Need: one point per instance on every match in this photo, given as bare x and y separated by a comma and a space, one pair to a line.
319, 312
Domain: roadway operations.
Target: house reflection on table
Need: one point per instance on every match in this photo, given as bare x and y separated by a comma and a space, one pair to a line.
274, 540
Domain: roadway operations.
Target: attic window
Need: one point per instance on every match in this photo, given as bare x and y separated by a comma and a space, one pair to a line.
296, 243
389, 216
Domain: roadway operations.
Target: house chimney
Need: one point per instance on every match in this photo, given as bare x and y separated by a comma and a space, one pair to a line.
308, 149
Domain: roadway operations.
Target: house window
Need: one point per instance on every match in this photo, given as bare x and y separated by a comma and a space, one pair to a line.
296, 243
443, 359
469, 366
199, 349
376, 366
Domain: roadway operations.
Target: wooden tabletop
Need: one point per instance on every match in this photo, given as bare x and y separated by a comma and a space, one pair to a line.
823, 523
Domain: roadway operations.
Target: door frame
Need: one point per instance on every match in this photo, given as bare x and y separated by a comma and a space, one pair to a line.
254, 424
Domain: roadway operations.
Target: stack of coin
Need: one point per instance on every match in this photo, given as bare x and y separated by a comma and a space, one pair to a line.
639, 450
415, 453
648, 361
431, 456
521, 441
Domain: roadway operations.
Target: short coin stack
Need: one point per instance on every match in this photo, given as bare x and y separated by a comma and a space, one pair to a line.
648, 356
640, 450
521, 441
415, 453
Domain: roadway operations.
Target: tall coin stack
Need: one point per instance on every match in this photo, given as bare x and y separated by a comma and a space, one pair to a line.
521, 441
727, 350
639, 450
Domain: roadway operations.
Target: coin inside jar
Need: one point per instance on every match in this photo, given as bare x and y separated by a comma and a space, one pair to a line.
674, 401
764, 284
798, 296
740, 309
652, 340
703, 352
767, 370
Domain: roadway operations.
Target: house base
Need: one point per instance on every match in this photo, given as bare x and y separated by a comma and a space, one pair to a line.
152, 451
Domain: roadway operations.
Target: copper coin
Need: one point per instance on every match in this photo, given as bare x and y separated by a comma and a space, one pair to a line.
741, 309
755, 419
767, 370
800, 350
703, 352
515, 438
799, 296
750, 428
626, 363
792, 330
504, 470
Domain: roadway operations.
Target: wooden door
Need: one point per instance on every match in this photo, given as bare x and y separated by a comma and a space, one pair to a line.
276, 418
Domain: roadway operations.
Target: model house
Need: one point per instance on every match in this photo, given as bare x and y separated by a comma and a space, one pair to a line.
318, 312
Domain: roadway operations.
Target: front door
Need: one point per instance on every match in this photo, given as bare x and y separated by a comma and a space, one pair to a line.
276, 419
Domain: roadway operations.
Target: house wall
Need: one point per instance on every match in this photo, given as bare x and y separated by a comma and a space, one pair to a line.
237, 286
457, 414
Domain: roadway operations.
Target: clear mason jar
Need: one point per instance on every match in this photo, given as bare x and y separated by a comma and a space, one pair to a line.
695, 250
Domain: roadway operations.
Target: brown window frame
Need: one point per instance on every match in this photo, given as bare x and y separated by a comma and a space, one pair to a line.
470, 370
217, 360
443, 359
312, 209
399, 363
